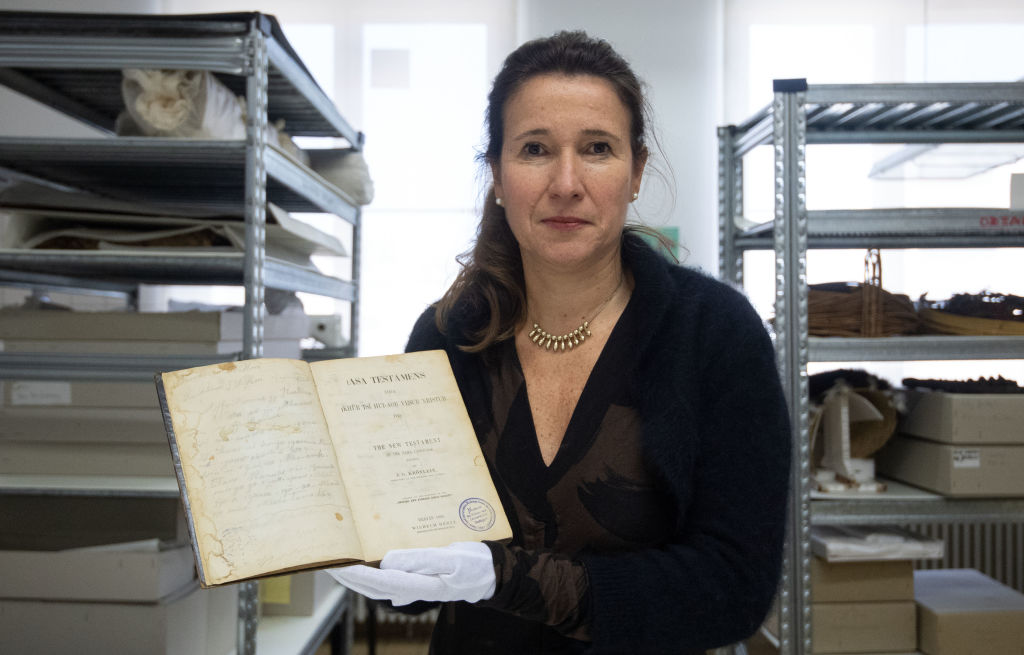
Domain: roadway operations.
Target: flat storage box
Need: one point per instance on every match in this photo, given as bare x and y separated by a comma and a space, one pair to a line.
956, 471
965, 418
863, 627
889, 580
964, 612
71, 440
135, 572
194, 622
298, 594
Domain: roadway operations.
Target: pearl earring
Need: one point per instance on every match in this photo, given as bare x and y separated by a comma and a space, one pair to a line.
499, 202
635, 196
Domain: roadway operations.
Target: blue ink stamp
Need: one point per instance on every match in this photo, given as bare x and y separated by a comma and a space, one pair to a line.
477, 514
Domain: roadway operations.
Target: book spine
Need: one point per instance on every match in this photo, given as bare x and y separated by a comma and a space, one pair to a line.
180, 475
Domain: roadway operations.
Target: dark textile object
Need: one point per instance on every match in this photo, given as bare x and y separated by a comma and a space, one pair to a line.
987, 304
981, 385
819, 383
715, 441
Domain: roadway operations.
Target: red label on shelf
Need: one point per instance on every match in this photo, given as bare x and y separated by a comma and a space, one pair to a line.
1009, 220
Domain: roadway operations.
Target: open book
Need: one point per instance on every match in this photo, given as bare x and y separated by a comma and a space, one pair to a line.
286, 465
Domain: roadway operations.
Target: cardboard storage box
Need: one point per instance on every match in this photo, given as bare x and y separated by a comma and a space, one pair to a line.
965, 418
964, 612
192, 623
298, 594
863, 627
142, 571
888, 580
954, 470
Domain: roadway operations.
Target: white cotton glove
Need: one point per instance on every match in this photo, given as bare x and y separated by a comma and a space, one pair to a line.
461, 571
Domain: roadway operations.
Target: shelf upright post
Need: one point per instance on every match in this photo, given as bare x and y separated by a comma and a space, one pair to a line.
790, 240
730, 205
256, 90
357, 264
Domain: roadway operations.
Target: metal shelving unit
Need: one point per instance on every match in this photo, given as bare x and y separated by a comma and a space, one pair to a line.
801, 115
73, 62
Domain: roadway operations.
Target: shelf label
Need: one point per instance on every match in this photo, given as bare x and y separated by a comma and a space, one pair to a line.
967, 458
40, 393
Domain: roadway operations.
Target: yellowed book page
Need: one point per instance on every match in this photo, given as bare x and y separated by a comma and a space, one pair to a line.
408, 454
259, 467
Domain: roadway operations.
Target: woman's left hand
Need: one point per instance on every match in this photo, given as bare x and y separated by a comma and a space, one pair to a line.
461, 571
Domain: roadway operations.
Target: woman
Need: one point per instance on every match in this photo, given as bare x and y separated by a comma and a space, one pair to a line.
629, 408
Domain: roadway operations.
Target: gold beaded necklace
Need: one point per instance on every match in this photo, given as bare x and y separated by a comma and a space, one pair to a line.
569, 340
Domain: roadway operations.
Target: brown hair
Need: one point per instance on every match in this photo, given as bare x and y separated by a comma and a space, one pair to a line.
492, 270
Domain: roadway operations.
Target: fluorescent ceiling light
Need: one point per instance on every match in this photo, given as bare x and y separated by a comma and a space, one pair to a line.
945, 160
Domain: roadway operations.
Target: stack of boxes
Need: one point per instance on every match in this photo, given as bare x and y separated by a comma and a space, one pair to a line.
862, 586
863, 607
68, 580
109, 428
139, 597
959, 445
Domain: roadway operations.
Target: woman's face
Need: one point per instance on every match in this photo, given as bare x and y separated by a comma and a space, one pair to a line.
567, 172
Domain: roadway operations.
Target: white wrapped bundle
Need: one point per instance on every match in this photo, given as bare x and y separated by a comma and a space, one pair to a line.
191, 104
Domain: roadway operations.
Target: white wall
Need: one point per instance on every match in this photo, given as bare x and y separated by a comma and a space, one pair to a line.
675, 46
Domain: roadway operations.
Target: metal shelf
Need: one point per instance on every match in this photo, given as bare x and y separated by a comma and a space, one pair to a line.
189, 267
803, 114
195, 176
913, 348
73, 62
901, 228
110, 367
89, 485
303, 635
900, 113
903, 512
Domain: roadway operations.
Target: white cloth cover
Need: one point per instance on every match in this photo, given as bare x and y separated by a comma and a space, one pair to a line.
462, 571
345, 169
191, 104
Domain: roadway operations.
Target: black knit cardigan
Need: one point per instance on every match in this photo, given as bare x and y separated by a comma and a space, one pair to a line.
716, 436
